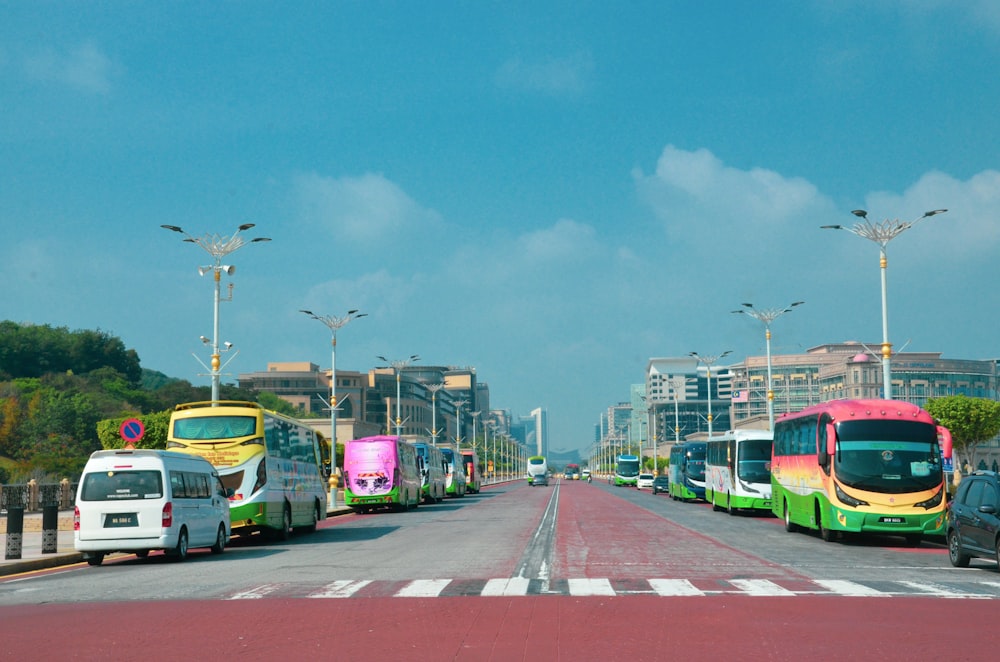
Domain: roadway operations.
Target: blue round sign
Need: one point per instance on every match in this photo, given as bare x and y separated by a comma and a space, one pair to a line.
132, 429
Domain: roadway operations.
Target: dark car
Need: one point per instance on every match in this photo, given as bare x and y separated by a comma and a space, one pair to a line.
974, 519
661, 484
540, 479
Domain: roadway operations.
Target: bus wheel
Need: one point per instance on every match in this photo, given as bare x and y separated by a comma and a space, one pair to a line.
729, 505
789, 526
826, 533
285, 531
716, 507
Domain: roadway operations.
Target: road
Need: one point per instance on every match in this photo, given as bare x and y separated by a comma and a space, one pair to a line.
516, 572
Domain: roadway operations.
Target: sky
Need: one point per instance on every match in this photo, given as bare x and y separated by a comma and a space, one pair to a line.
550, 192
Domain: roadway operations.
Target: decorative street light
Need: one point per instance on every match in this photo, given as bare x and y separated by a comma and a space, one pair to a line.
882, 233
434, 388
708, 361
766, 316
334, 324
398, 366
218, 247
458, 422
475, 416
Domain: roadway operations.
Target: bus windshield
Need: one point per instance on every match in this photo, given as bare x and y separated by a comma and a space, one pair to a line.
888, 456
754, 462
214, 427
694, 467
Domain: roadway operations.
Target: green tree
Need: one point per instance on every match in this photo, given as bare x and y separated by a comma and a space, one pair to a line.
971, 421
272, 402
155, 435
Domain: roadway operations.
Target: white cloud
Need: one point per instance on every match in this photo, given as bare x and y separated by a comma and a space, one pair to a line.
567, 240
366, 209
555, 76
84, 68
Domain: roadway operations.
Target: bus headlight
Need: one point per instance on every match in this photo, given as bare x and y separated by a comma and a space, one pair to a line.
848, 499
932, 502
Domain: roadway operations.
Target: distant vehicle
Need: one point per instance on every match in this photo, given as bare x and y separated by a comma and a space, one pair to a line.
627, 470
431, 463
687, 471
644, 482
541, 479
974, 519
738, 471
585, 474
537, 467
661, 484
572, 472
381, 472
277, 468
860, 466
473, 472
141, 500
454, 472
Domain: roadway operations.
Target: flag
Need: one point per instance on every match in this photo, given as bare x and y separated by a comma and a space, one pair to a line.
741, 395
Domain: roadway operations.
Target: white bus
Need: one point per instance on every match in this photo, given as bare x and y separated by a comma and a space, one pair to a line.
738, 471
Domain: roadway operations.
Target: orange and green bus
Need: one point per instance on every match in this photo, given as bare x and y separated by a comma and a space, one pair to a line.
277, 468
860, 466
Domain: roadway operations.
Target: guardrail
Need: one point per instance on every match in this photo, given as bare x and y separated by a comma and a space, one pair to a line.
34, 496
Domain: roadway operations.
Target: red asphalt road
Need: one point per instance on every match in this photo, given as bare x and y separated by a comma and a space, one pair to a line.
549, 628
594, 539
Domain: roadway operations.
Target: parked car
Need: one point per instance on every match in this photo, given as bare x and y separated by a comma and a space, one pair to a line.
645, 481
974, 519
661, 484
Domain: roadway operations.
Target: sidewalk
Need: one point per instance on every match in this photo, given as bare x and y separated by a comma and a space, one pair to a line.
32, 557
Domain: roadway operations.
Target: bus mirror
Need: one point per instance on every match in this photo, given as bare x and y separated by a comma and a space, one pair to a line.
823, 459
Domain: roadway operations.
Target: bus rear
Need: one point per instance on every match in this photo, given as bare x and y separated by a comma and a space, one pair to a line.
377, 475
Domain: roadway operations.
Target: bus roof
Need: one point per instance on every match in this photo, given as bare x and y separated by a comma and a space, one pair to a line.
840, 410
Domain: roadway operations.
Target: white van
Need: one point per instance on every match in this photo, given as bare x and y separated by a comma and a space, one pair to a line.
137, 500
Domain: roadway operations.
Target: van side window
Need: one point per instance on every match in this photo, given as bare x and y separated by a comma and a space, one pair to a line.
177, 486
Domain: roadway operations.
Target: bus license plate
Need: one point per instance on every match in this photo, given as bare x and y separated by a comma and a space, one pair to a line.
115, 520
892, 520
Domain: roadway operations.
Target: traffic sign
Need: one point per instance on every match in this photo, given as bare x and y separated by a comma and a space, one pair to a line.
132, 430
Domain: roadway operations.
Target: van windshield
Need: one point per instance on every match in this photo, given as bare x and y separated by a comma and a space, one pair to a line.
120, 485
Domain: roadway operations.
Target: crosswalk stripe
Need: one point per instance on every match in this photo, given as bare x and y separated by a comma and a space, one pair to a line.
849, 588
759, 587
514, 586
423, 588
256, 592
581, 587
674, 587
935, 589
343, 588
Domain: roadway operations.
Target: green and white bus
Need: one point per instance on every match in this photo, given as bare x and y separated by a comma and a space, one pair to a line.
738, 471
277, 468
627, 470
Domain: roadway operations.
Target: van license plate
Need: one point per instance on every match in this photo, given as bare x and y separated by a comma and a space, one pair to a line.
115, 520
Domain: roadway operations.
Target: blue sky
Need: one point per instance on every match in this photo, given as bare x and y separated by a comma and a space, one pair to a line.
550, 192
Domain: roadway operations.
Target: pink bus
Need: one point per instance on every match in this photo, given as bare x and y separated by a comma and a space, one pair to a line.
861, 466
381, 472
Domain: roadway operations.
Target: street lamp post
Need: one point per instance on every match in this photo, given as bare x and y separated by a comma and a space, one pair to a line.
218, 247
334, 324
434, 388
458, 423
398, 366
882, 233
475, 415
709, 361
766, 316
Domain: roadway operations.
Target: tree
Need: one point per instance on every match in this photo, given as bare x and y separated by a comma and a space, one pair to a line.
971, 421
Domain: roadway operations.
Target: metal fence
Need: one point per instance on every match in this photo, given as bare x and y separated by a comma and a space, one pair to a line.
34, 496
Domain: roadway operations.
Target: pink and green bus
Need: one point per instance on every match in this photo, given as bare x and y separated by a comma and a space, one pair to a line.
860, 466
381, 472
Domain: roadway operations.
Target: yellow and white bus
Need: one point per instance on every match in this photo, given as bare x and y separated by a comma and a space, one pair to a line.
277, 468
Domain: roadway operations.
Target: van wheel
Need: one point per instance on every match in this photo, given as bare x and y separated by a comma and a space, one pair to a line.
180, 552
220, 540
95, 558
142, 553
